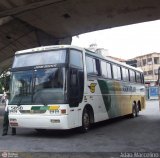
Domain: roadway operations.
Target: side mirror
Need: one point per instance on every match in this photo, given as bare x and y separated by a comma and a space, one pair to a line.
157, 83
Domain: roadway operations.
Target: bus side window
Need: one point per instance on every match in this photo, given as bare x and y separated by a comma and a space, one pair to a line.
98, 67
138, 77
109, 71
91, 66
106, 69
132, 76
125, 74
103, 69
142, 78
116, 72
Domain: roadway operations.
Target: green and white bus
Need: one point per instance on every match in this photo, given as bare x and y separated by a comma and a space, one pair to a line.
64, 87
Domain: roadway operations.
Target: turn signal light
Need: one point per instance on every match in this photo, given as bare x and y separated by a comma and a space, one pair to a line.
63, 111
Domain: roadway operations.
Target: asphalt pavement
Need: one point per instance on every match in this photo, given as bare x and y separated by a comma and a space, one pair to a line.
141, 134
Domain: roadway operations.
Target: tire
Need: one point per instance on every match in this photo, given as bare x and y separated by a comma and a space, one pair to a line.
137, 110
134, 111
86, 122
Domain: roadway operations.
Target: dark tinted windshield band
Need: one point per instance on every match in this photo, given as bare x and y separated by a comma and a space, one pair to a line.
39, 67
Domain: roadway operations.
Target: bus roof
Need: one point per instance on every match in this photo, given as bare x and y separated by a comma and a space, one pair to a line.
45, 48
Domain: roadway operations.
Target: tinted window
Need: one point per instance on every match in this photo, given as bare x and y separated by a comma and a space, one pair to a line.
109, 72
76, 58
116, 72
132, 75
142, 78
104, 68
40, 58
41, 86
138, 77
125, 74
91, 65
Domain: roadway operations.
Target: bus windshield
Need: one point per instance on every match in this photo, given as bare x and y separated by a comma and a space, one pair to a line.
40, 86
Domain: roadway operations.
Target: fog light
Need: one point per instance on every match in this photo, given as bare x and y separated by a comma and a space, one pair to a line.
55, 120
13, 124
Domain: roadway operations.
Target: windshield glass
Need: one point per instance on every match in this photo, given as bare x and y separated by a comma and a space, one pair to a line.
40, 58
41, 86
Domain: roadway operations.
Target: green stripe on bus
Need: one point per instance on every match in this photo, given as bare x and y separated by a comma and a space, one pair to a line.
35, 107
105, 90
110, 101
39, 107
44, 107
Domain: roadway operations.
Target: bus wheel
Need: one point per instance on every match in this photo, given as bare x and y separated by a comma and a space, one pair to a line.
85, 121
134, 110
137, 109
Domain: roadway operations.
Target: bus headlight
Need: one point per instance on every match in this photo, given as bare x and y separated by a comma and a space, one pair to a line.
13, 122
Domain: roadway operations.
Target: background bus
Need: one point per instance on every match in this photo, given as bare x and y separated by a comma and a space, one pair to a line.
63, 87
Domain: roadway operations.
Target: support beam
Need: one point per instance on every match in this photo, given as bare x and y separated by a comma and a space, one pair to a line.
17, 35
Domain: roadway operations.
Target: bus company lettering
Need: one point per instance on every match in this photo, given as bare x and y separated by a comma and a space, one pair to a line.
129, 89
45, 66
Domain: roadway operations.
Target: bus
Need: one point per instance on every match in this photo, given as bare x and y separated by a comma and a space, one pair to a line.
64, 87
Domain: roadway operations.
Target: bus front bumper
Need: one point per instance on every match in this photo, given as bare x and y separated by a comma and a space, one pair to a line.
39, 122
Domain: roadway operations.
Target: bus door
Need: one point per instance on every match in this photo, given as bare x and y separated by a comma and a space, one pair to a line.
76, 88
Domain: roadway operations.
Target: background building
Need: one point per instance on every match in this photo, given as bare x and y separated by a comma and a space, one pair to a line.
149, 63
93, 47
